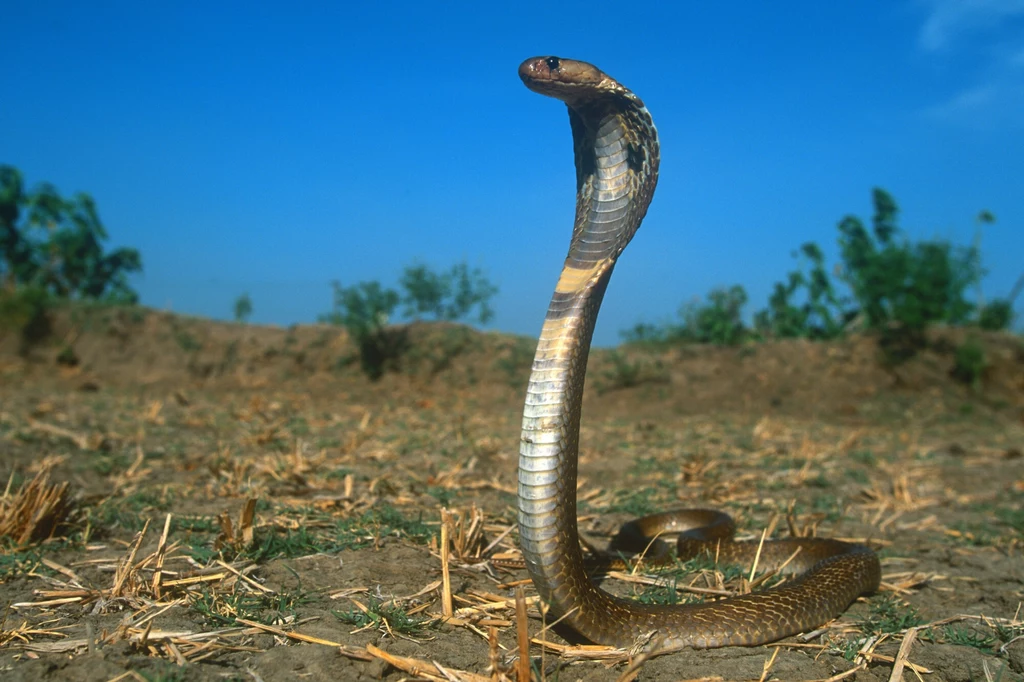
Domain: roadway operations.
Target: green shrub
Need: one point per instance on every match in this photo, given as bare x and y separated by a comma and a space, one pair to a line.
67, 357
720, 321
782, 319
647, 333
425, 291
970, 363
452, 295
625, 373
364, 310
243, 308
996, 315
516, 360
25, 311
901, 287
821, 316
898, 288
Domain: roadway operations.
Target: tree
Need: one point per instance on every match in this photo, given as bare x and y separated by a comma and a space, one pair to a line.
16, 255
243, 308
56, 245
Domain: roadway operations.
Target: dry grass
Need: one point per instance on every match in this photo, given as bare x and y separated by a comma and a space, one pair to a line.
37, 511
376, 525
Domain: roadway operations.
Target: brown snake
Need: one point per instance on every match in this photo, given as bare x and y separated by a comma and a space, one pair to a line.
617, 157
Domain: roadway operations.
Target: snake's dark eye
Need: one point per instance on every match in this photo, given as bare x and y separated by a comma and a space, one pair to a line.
553, 63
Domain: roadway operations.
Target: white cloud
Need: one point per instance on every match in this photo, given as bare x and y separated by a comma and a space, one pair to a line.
950, 19
998, 104
989, 29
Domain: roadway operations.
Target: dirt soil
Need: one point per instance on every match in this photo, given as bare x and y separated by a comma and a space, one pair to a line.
242, 503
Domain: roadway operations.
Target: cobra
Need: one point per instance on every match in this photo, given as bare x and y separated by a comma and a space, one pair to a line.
617, 159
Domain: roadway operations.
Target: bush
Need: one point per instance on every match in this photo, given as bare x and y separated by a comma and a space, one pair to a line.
820, 316
25, 311
56, 243
996, 316
897, 289
447, 296
970, 363
647, 333
902, 287
243, 308
625, 373
720, 321
364, 310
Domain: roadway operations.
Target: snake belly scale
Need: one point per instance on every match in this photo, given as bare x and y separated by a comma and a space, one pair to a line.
617, 159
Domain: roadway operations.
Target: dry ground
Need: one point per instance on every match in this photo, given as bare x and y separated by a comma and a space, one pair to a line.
243, 505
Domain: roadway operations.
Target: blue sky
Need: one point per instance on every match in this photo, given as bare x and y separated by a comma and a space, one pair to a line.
271, 148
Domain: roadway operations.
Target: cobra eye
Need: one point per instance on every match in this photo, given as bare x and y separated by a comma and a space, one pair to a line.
553, 63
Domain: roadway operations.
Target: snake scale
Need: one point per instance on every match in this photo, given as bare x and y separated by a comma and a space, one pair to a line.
617, 157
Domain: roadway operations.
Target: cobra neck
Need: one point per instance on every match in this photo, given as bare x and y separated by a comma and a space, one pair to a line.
616, 173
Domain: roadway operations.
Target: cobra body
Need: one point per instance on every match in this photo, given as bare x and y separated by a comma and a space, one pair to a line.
617, 159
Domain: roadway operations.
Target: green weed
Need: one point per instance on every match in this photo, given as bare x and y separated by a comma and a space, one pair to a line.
889, 615
243, 308
166, 672
664, 594
625, 373
380, 614
965, 635
224, 609
129, 513
996, 315
970, 363
367, 529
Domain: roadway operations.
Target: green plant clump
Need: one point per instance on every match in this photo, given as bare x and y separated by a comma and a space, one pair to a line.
719, 321
901, 287
452, 295
890, 615
996, 315
970, 363
243, 308
820, 316
366, 310
897, 288
382, 614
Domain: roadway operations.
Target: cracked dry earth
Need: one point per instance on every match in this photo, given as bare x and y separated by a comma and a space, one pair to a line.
245, 507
